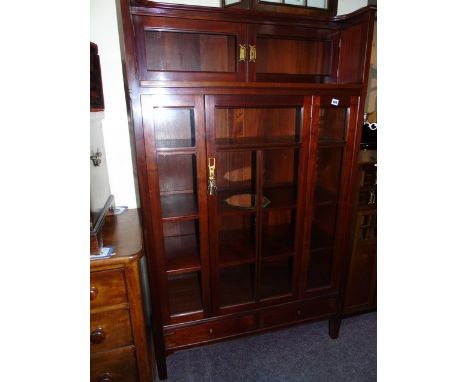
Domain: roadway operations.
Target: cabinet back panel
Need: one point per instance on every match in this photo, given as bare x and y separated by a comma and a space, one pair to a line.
256, 122
297, 56
177, 173
189, 52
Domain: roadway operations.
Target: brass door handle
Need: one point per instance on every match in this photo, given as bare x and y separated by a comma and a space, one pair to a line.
242, 52
252, 53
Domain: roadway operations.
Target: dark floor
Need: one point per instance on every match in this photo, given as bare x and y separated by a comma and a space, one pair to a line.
301, 353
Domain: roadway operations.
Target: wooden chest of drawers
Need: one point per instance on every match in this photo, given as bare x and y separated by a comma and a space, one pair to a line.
120, 347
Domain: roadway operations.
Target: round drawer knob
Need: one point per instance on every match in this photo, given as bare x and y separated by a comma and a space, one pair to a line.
97, 336
299, 312
93, 293
106, 378
211, 331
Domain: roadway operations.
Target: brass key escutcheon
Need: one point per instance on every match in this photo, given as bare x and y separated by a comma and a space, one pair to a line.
211, 176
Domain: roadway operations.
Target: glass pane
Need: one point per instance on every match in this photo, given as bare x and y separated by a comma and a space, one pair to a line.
236, 239
257, 125
328, 174
276, 277
320, 268
184, 293
333, 123
280, 177
178, 184
317, 3
308, 57
295, 2
236, 284
181, 244
323, 227
231, 2
278, 233
245, 201
190, 52
174, 127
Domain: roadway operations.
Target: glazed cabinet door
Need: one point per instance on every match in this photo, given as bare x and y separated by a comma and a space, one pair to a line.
174, 134
293, 54
256, 154
330, 164
171, 49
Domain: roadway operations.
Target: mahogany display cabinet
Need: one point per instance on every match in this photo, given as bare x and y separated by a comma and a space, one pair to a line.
246, 143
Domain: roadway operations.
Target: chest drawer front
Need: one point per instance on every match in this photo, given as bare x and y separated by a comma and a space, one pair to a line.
116, 366
110, 330
108, 288
209, 331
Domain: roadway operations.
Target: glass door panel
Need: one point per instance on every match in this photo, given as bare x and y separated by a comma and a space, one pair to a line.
328, 174
257, 143
331, 118
276, 278
202, 50
257, 126
333, 124
236, 285
173, 129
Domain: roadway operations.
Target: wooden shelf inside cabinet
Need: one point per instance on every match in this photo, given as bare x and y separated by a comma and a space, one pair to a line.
184, 293
275, 279
277, 240
182, 254
236, 247
186, 145
257, 143
179, 206
280, 196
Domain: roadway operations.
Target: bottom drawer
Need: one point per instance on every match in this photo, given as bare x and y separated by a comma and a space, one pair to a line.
209, 331
114, 366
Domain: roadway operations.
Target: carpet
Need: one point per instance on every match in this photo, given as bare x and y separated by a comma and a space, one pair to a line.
300, 353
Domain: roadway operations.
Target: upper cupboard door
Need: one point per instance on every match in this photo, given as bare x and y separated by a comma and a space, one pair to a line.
193, 50
293, 54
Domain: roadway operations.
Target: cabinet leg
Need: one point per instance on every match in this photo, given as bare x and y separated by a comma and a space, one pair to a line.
334, 327
162, 367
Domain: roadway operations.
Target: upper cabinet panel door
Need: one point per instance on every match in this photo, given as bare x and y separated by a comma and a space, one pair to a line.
193, 50
293, 54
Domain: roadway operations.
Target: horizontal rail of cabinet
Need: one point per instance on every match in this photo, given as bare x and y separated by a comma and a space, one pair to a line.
182, 336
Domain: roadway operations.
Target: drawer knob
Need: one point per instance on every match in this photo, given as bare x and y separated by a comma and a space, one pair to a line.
93, 293
97, 336
106, 378
299, 312
211, 331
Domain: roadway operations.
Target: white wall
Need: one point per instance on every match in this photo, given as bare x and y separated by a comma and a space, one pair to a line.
104, 33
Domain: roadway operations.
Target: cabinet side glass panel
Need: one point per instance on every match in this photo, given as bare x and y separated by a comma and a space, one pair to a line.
174, 127
184, 293
181, 244
178, 184
190, 51
333, 124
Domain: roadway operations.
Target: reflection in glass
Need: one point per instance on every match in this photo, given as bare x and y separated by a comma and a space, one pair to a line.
245, 201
